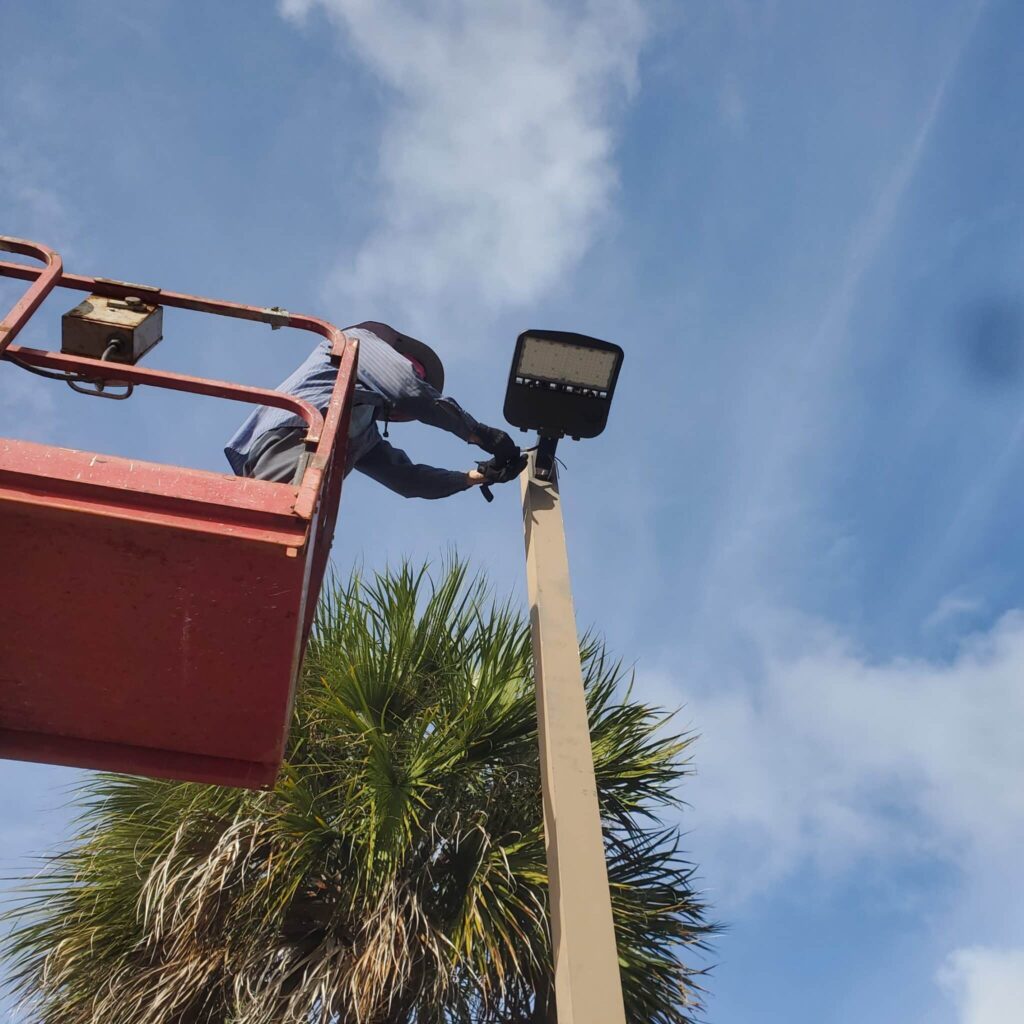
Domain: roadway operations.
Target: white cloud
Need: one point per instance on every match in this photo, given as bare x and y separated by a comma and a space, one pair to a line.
495, 162
820, 757
951, 608
987, 984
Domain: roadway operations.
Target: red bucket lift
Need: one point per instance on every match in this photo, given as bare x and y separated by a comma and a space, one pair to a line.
155, 616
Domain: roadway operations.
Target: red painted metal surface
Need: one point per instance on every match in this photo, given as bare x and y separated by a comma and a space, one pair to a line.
156, 615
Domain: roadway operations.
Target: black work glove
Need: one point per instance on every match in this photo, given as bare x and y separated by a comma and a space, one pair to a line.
498, 443
502, 471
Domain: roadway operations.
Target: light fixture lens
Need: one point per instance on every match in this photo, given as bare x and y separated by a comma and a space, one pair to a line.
562, 363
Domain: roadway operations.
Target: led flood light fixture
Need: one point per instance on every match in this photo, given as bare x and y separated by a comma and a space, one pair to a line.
561, 385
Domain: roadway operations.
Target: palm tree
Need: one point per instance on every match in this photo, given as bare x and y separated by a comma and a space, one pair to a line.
396, 873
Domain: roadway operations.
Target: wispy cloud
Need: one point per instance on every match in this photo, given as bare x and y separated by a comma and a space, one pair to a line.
953, 607
771, 465
732, 104
987, 984
870, 234
496, 160
821, 757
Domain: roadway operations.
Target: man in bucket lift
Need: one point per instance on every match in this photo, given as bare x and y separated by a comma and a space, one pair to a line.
398, 379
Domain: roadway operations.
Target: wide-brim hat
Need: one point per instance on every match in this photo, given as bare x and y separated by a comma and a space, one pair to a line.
412, 348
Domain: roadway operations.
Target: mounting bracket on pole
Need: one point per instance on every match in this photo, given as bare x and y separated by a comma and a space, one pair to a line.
544, 462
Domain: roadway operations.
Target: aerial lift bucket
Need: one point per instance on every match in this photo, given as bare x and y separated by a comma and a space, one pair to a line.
156, 616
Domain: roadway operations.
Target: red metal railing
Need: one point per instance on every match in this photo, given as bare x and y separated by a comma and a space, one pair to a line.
43, 279
322, 431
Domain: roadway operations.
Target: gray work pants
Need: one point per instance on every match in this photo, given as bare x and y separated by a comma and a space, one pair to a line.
276, 455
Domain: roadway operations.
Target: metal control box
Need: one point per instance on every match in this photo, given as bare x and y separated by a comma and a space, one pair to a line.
94, 326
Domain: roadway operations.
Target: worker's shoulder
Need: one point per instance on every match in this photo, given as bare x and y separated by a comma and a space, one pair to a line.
386, 333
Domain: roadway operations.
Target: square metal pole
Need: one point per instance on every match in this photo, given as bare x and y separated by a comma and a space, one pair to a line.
588, 988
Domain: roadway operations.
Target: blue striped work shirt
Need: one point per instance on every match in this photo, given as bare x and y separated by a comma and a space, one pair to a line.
386, 383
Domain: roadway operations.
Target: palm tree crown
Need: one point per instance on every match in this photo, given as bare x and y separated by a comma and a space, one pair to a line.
396, 873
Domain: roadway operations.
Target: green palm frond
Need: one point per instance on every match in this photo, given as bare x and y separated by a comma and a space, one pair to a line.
396, 874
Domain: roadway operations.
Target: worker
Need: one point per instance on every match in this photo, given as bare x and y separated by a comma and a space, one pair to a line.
398, 379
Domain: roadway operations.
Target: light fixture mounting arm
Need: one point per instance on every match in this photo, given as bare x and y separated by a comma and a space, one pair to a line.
544, 463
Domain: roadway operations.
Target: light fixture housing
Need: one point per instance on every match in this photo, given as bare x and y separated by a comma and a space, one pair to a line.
561, 384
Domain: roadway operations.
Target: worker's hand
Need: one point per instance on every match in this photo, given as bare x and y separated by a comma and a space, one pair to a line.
497, 442
475, 478
502, 471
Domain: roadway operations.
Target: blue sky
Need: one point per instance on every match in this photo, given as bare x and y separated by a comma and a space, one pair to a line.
803, 222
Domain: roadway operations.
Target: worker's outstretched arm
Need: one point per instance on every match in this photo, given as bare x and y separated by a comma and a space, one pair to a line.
394, 469
427, 406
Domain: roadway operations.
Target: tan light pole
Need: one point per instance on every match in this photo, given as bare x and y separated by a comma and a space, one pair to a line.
588, 988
